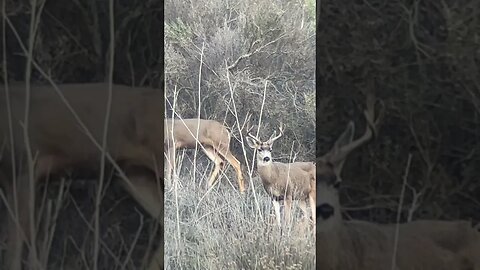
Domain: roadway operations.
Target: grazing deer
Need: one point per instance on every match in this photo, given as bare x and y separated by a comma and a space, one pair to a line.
214, 140
359, 245
284, 181
62, 138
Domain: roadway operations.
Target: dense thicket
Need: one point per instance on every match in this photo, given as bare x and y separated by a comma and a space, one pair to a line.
72, 40
256, 41
421, 58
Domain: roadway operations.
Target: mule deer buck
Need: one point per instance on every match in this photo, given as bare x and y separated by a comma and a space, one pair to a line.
61, 138
360, 245
284, 181
214, 140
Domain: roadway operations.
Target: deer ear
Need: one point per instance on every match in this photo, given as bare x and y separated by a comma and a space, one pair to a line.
251, 142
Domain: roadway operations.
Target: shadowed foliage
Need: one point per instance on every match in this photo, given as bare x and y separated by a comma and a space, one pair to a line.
421, 58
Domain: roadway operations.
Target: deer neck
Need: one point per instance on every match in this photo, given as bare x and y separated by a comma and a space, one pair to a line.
339, 248
332, 238
266, 171
328, 249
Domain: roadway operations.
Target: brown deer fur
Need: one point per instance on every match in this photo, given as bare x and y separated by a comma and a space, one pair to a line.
359, 245
213, 139
59, 144
284, 181
459, 236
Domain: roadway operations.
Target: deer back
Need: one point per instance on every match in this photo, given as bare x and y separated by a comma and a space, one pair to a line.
135, 122
281, 179
210, 132
371, 246
456, 236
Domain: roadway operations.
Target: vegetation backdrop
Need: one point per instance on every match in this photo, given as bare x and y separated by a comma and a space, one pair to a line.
239, 63
421, 58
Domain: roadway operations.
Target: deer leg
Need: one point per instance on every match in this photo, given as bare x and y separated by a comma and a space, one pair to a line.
303, 205
20, 199
169, 163
148, 192
312, 198
238, 169
217, 159
22, 204
145, 189
13, 255
288, 209
276, 207
15, 237
19, 224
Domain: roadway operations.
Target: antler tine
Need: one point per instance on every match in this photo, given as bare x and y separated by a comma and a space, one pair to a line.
249, 128
274, 137
246, 122
371, 127
373, 122
380, 116
251, 135
281, 128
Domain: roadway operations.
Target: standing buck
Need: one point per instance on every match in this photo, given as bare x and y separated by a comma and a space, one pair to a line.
213, 138
60, 141
359, 245
284, 181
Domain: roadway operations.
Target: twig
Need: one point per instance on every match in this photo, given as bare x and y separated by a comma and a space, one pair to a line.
99, 196
254, 52
399, 212
199, 105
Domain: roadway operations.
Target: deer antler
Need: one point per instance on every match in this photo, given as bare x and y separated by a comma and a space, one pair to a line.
371, 128
250, 134
369, 113
249, 129
273, 137
246, 123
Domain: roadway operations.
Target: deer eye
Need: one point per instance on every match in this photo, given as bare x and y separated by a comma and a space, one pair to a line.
260, 149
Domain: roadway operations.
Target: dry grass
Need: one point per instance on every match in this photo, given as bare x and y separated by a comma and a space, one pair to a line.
222, 64
222, 229
126, 231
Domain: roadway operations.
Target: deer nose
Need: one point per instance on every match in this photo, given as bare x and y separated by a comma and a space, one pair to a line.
266, 159
325, 211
